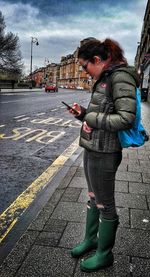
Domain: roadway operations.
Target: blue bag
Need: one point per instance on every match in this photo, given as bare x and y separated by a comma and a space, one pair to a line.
136, 136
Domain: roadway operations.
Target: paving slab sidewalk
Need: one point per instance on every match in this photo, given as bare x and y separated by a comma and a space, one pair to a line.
44, 249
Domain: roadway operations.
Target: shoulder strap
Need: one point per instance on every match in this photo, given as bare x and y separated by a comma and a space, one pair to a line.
109, 86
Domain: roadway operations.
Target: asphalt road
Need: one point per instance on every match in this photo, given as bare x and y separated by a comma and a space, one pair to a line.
35, 128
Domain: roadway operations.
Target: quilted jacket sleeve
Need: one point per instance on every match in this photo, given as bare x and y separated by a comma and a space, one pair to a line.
124, 98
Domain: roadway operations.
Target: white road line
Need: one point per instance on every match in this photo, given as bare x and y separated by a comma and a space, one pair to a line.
19, 116
12, 94
40, 113
23, 119
54, 110
6, 102
2, 126
37, 150
6, 94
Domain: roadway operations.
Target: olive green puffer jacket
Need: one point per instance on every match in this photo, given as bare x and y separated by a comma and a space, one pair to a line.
108, 114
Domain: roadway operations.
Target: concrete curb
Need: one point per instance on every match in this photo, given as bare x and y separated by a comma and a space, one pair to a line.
19, 90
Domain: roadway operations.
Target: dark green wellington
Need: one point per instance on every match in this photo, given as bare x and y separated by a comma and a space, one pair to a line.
90, 241
103, 256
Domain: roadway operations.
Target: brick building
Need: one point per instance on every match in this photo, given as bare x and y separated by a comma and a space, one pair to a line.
37, 76
52, 72
68, 73
142, 59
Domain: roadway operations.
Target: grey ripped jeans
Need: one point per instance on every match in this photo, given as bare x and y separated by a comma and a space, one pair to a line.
100, 170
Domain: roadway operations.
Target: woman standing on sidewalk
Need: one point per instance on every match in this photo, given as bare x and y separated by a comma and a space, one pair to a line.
105, 115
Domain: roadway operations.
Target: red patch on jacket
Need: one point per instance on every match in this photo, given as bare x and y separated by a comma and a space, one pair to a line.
103, 85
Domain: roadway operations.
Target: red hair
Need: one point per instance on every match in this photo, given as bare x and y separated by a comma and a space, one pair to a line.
107, 49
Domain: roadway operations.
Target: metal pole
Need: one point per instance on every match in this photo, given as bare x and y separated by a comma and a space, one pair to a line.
33, 40
31, 62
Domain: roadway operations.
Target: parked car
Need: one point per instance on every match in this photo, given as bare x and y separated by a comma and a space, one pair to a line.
71, 86
65, 86
78, 87
51, 87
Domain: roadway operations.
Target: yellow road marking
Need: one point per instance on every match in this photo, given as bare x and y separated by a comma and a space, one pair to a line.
8, 229
11, 215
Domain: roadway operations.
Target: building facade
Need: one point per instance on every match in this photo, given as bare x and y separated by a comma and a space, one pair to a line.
68, 73
37, 76
142, 59
52, 72
71, 74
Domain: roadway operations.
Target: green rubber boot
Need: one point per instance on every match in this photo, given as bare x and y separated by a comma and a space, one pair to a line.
103, 256
90, 241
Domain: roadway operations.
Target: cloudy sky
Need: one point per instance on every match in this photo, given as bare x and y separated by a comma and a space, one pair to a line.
59, 25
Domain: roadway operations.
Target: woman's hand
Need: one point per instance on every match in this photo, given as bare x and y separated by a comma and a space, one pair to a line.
77, 108
86, 128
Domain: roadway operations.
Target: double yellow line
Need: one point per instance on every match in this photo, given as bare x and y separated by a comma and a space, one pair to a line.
12, 214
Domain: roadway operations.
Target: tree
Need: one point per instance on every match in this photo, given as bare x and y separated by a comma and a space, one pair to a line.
10, 55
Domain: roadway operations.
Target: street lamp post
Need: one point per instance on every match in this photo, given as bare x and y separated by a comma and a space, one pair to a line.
46, 62
33, 40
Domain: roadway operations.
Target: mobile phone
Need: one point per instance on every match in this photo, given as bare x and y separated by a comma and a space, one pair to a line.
69, 107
